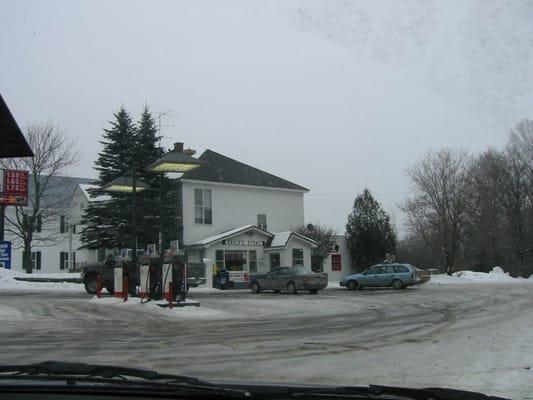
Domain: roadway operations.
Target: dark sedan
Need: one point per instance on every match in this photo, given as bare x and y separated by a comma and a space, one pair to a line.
290, 279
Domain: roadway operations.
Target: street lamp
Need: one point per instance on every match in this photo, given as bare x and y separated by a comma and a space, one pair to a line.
129, 184
177, 161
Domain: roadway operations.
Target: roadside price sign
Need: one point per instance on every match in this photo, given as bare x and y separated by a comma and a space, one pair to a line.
13, 187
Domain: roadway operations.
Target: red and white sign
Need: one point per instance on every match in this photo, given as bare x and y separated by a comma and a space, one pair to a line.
14, 187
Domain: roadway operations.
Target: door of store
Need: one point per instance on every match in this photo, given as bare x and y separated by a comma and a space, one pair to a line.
236, 264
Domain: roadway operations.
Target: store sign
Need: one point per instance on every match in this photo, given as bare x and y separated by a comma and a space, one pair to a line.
237, 242
13, 187
5, 254
239, 277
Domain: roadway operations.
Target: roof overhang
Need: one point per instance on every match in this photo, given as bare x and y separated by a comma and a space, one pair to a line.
207, 182
211, 240
14, 143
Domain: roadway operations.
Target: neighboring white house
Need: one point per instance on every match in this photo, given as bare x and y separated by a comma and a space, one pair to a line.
339, 262
56, 237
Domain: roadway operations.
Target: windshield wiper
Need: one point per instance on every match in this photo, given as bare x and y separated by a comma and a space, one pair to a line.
84, 372
377, 391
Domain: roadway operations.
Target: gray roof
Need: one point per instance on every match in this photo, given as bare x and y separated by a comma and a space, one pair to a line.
221, 169
59, 191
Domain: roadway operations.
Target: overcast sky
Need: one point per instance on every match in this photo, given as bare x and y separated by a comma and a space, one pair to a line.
333, 95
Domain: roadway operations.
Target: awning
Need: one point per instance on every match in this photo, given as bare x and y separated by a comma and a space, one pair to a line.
229, 234
13, 142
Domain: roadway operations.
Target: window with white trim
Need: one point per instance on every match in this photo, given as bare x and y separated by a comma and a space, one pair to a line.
262, 221
63, 224
297, 257
203, 212
63, 260
252, 260
36, 260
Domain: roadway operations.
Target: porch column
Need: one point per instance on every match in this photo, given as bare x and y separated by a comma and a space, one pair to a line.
208, 272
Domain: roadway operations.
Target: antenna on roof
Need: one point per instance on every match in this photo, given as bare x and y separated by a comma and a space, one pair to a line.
160, 115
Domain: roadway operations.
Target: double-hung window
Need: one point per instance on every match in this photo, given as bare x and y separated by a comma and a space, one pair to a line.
262, 221
36, 260
63, 224
63, 260
297, 257
203, 212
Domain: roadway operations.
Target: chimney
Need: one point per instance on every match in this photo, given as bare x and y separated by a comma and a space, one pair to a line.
178, 146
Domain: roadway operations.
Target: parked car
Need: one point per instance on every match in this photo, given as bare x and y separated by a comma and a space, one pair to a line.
396, 275
290, 279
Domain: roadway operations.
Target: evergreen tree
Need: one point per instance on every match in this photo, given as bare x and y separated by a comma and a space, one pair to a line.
127, 147
369, 233
108, 223
148, 201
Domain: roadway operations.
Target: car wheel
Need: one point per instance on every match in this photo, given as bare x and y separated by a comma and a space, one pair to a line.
291, 288
352, 285
256, 288
90, 284
397, 284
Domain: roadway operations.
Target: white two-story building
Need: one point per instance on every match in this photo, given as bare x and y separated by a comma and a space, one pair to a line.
239, 218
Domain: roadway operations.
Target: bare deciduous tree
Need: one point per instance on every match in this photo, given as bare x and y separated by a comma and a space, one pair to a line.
439, 207
54, 152
324, 236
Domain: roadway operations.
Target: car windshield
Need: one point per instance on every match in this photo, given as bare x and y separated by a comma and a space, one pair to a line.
333, 192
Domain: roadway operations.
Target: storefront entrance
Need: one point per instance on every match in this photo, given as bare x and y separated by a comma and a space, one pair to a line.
238, 264
235, 260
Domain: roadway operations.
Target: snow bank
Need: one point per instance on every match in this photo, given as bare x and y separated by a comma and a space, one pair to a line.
8, 282
189, 312
496, 275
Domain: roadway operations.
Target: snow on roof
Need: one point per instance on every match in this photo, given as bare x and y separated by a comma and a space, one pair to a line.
223, 235
281, 239
85, 187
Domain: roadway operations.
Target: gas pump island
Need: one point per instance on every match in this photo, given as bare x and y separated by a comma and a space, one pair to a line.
150, 279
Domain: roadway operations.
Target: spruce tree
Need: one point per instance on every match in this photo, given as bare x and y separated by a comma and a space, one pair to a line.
148, 201
108, 223
369, 233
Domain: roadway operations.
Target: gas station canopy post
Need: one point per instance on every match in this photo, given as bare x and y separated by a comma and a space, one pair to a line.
129, 184
177, 160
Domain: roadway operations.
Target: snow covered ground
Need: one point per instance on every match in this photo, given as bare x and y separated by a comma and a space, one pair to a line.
189, 312
8, 282
496, 275
475, 336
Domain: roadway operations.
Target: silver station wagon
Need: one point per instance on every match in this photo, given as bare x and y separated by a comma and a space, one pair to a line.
395, 275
